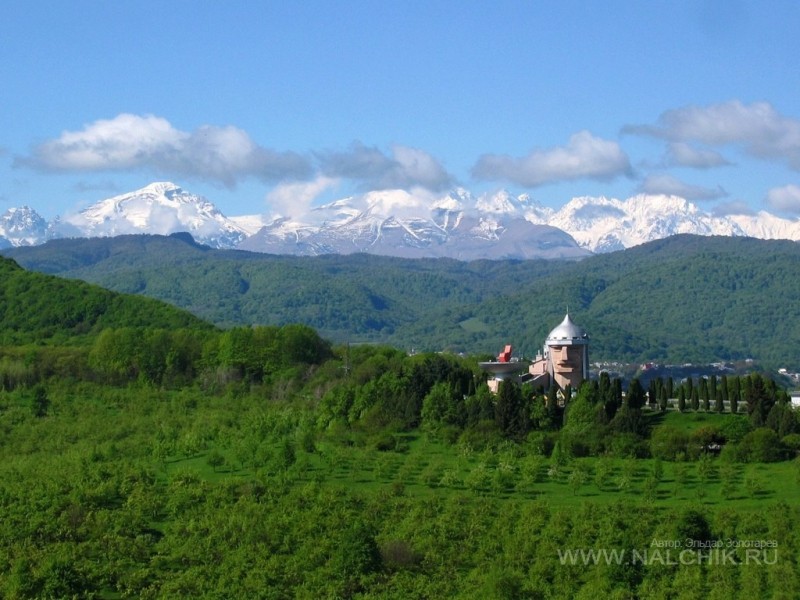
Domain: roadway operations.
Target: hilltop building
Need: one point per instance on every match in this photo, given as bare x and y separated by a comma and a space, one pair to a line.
563, 361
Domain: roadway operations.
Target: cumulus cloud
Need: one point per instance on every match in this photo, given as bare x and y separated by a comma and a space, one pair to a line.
295, 199
758, 127
223, 154
372, 169
785, 199
685, 155
737, 207
671, 186
584, 157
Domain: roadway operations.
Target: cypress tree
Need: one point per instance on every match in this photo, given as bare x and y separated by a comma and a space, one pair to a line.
704, 393
681, 399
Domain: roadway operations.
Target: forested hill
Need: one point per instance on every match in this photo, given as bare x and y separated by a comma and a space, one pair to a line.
684, 298
39, 308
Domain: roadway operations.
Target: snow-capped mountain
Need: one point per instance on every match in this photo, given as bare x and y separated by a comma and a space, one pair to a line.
396, 223
604, 225
160, 208
22, 227
400, 223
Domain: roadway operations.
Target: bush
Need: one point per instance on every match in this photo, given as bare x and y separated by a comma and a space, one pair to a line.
541, 443
628, 445
792, 442
761, 445
482, 435
735, 428
668, 443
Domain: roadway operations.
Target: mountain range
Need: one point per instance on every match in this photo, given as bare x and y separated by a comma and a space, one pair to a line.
397, 223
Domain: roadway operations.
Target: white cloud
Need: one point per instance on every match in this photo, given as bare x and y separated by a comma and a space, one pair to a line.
585, 156
785, 199
224, 154
671, 186
758, 127
686, 155
295, 199
405, 168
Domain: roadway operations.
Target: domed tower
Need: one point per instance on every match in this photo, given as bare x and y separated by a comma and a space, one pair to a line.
566, 350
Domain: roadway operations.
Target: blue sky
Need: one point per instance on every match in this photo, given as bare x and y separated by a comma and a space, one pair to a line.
254, 104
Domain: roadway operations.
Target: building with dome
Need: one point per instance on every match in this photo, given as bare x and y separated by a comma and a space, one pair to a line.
563, 361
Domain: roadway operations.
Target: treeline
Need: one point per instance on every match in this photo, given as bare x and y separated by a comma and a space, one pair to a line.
170, 358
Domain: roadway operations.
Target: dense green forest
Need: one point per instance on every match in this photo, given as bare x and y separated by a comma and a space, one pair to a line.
684, 298
145, 454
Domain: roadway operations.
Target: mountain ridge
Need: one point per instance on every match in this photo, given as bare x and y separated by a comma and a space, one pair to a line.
685, 298
398, 223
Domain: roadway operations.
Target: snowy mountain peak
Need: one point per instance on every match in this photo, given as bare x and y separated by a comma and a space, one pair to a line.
23, 226
403, 223
160, 208
160, 188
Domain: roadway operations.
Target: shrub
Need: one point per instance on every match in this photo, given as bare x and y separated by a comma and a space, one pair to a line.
761, 445
668, 443
792, 442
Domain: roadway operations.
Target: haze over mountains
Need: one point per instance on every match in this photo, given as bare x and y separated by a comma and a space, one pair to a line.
398, 223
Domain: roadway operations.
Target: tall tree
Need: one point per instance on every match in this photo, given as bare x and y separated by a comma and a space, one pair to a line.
724, 388
704, 393
636, 397
510, 413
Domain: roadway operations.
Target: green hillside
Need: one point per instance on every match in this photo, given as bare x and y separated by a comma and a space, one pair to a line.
38, 308
684, 298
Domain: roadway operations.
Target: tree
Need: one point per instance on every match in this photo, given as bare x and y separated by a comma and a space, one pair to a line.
356, 554
761, 445
652, 392
681, 399
577, 478
760, 395
553, 412
718, 405
40, 403
510, 412
662, 399
440, 407
695, 400
734, 395
215, 459
636, 396
704, 394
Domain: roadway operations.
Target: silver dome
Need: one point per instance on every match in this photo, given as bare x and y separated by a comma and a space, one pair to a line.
568, 332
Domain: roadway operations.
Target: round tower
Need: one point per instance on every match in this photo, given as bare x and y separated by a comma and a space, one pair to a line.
567, 351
